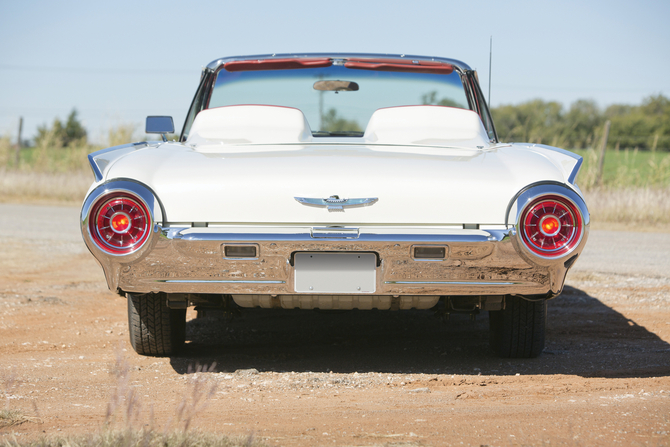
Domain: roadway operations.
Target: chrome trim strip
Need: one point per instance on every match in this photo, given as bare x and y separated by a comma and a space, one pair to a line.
94, 167
467, 283
491, 236
216, 281
218, 62
575, 171
335, 233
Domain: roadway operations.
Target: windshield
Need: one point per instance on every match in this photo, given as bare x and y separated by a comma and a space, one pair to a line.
343, 106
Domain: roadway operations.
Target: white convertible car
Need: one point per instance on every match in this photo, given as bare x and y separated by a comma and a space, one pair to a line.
335, 181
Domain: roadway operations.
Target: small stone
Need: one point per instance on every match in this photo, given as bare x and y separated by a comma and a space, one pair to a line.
419, 390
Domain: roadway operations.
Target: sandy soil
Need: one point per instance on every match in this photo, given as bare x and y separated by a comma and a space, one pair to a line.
317, 378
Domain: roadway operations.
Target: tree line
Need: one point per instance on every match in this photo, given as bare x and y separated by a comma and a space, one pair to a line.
580, 126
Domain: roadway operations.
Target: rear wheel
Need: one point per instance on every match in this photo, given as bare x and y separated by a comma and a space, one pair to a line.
154, 328
518, 330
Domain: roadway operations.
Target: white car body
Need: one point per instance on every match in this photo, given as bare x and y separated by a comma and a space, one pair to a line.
252, 206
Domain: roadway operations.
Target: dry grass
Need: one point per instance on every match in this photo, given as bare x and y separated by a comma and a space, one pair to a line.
12, 418
47, 157
124, 423
50, 173
46, 173
121, 134
9, 383
646, 207
140, 438
44, 187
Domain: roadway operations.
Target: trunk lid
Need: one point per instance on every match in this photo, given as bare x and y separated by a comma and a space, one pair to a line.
257, 184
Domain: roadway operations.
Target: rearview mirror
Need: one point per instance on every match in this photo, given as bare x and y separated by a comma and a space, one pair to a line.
336, 86
159, 124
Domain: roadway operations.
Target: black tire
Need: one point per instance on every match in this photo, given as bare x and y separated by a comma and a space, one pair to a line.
154, 328
518, 331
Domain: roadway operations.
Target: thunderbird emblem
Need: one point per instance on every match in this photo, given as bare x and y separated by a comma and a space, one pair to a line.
334, 203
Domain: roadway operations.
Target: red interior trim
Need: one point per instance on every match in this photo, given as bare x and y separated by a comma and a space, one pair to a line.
276, 64
404, 61
395, 65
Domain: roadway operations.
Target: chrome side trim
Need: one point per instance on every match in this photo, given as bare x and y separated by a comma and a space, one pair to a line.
468, 283
575, 171
489, 236
335, 232
216, 281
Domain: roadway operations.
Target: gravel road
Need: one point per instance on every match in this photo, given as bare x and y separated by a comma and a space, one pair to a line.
347, 378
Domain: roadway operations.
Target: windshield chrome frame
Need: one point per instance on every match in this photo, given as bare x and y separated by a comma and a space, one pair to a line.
209, 73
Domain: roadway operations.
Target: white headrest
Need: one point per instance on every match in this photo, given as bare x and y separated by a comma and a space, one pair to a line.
427, 125
249, 124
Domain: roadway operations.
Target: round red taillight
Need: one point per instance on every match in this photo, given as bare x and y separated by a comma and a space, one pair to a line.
551, 226
119, 223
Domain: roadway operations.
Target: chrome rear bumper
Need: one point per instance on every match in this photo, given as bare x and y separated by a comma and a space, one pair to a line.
192, 260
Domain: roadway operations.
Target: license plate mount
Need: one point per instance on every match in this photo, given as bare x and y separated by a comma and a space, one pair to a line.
335, 272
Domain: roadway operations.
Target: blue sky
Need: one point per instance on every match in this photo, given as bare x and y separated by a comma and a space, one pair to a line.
116, 62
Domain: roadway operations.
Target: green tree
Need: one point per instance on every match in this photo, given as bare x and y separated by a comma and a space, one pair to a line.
331, 122
535, 121
430, 99
72, 132
582, 125
646, 126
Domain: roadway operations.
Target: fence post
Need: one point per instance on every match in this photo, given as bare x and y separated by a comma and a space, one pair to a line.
18, 144
653, 147
601, 156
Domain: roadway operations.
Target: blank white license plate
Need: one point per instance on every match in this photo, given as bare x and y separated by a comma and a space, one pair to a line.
335, 272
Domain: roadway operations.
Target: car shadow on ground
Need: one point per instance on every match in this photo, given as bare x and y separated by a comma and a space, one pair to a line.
584, 337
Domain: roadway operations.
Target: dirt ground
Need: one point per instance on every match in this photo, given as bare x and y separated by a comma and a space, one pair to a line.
306, 378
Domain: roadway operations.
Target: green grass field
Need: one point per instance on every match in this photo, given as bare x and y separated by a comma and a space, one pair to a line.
625, 169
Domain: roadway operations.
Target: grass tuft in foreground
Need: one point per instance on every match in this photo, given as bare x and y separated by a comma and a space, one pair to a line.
140, 438
123, 417
12, 418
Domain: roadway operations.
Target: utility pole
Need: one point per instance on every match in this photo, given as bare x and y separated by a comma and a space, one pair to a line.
18, 144
601, 157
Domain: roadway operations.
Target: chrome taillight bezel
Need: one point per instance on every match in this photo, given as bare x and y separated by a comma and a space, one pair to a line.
115, 188
559, 243
528, 197
112, 241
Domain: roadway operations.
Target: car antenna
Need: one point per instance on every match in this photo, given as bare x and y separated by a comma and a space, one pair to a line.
490, 58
